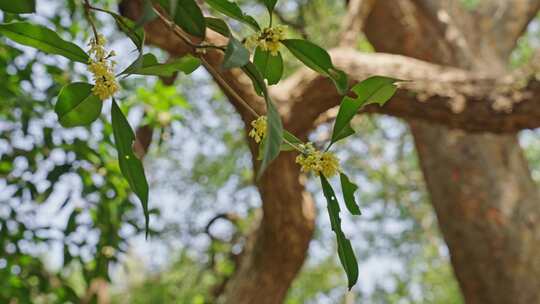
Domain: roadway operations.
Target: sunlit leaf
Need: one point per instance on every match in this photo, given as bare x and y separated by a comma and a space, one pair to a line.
232, 10
289, 140
376, 89
271, 67
317, 59
77, 106
345, 250
43, 39
131, 167
18, 6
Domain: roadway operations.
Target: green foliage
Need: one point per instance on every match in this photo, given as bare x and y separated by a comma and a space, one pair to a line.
43, 39
19, 6
375, 89
270, 66
150, 66
318, 60
77, 106
236, 55
349, 188
218, 25
187, 15
232, 10
130, 165
345, 251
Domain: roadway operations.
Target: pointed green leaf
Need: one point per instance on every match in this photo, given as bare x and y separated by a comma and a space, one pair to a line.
270, 4
218, 26
317, 59
274, 132
150, 66
187, 15
375, 89
130, 166
288, 140
77, 106
258, 82
348, 188
236, 54
232, 10
271, 67
274, 136
43, 39
345, 250
18, 6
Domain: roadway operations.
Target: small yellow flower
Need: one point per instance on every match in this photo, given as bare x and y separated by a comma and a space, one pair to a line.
259, 129
312, 160
268, 39
100, 65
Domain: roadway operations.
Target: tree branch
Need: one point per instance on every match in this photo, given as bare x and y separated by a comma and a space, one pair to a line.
353, 23
445, 95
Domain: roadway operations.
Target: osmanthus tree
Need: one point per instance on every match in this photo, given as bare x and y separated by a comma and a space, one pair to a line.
479, 183
80, 103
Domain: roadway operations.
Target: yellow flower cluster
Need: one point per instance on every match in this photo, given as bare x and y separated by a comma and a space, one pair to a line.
103, 69
268, 40
259, 129
312, 160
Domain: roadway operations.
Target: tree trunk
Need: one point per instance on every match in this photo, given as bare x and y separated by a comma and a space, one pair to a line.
486, 203
488, 210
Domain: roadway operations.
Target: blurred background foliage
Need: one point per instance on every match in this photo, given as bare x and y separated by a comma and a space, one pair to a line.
71, 232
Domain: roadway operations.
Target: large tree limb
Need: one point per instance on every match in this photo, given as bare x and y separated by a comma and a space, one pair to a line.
444, 95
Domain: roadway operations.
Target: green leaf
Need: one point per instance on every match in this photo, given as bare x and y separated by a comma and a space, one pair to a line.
258, 82
288, 140
345, 250
274, 132
271, 67
317, 59
187, 15
274, 136
43, 39
270, 4
130, 166
375, 89
130, 29
218, 26
150, 66
77, 106
18, 6
236, 54
232, 10
348, 188
147, 15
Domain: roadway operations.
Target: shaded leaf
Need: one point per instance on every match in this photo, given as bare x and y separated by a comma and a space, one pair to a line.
218, 26
317, 59
130, 166
77, 106
348, 188
288, 140
18, 6
232, 10
43, 39
187, 15
271, 67
375, 89
236, 54
345, 250
270, 4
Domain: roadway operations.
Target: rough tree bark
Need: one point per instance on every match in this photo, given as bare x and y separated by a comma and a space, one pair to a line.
479, 184
486, 202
